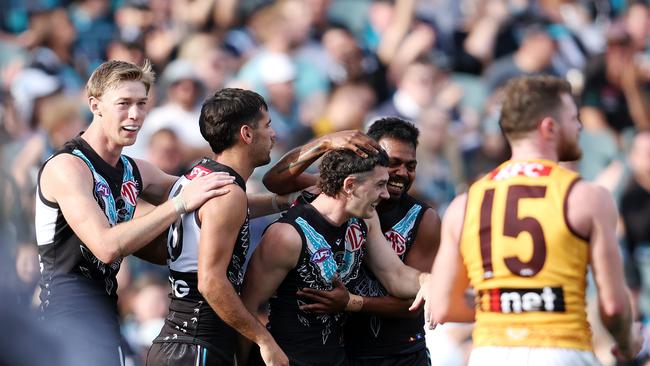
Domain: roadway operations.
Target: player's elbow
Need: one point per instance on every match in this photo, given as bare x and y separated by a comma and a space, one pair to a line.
613, 309
107, 255
270, 182
209, 283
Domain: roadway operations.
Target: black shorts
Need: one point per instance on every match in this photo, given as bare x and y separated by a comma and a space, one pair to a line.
186, 351
419, 358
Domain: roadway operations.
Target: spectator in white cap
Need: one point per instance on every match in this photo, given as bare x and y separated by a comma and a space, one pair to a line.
278, 74
180, 113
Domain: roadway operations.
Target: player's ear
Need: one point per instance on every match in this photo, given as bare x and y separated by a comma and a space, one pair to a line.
349, 183
548, 127
246, 134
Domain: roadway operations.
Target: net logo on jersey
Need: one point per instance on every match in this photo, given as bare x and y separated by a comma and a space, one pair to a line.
129, 192
522, 300
354, 237
397, 241
198, 171
530, 169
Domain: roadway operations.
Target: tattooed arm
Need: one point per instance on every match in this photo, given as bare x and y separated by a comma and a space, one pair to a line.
288, 174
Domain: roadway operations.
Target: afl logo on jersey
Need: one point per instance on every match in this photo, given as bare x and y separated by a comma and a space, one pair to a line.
397, 241
321, 255
129, 192
354, 238
102, 189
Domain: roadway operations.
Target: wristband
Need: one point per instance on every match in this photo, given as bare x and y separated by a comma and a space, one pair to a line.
274, 203
179, 205
355, 303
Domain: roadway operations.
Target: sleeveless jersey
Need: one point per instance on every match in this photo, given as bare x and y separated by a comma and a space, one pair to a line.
368, 335
190, 318
75, 285
327, 251
527, 265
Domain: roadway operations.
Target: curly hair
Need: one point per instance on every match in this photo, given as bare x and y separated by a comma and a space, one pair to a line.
340, 164
395, 128
527, 100
225, 112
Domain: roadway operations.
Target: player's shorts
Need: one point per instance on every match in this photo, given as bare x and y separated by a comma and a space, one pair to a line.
419, 358
531, 356
185, 353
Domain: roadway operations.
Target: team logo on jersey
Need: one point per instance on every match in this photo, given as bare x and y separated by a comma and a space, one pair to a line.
354, 237
397, 241
321, 255
198, 171
102, 189
531, 170
129, 192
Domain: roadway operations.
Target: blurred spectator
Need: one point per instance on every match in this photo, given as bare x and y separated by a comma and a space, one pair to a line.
53, 37
415, 91
615, 96
29, 89
213, 63
347, 108
60, 121
533, 57
145, 314
439, 167
635, 211
180, 113
166, 152
278, 75
95, 28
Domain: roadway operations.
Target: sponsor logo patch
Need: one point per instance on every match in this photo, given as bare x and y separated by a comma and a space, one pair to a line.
397, 241
522, 300
354, 238
198, 171
129, 192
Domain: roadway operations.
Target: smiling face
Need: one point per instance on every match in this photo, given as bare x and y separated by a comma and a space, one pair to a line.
401, 166
368, 191
121, 111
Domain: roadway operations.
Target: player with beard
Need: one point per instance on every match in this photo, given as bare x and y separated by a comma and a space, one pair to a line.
523, 237
383, 331
321, 245
207, 247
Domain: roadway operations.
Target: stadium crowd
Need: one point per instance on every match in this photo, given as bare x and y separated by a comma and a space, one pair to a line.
325, 66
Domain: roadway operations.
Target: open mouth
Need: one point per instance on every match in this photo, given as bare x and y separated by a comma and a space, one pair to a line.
131, 128
396, 184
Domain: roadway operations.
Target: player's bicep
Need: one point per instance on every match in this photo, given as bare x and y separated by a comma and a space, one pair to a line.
67, 181
382, 260
276, 254
426, 244
221, 219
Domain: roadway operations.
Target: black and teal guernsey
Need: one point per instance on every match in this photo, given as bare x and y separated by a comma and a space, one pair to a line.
191, 319
372, 336
77, 289
327, 251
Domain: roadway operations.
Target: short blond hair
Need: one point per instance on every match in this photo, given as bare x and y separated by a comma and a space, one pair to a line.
107, 75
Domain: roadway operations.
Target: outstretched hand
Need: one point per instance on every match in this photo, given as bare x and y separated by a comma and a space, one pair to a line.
630, 352
201, 189
333, 301
353, 140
